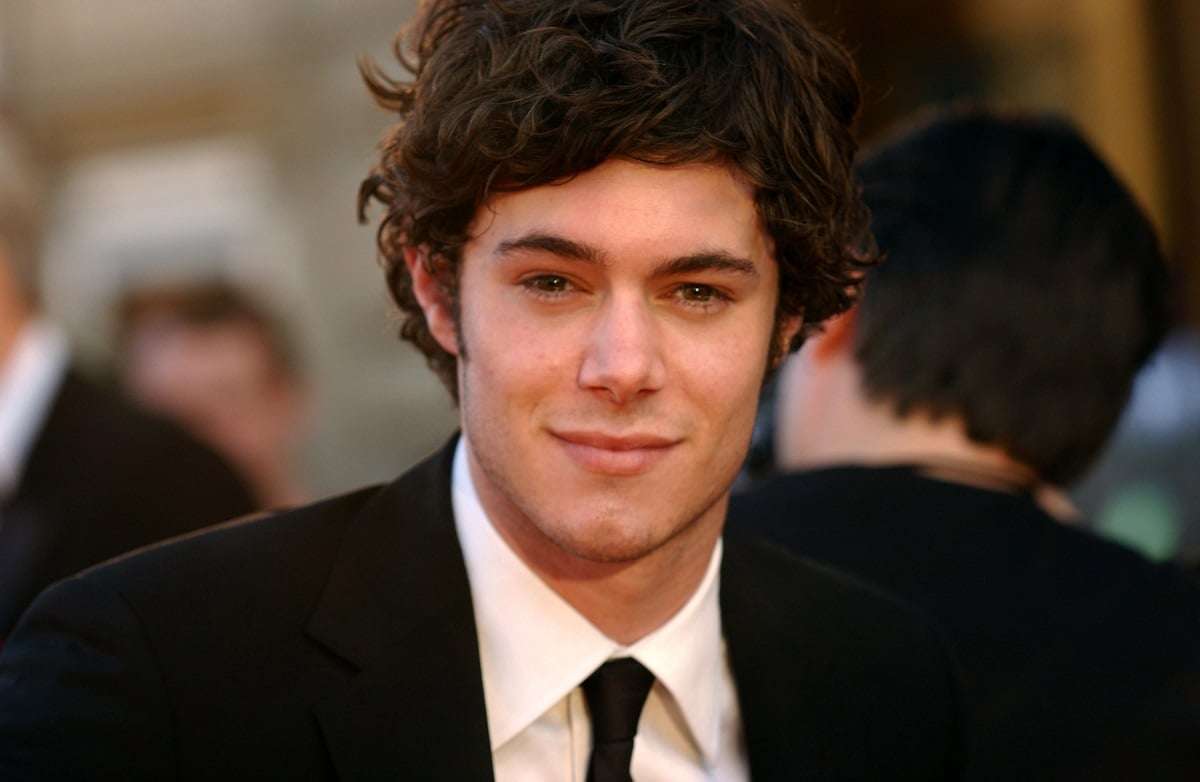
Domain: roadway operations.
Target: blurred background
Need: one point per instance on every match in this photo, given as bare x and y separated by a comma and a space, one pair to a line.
183, 141
190, 142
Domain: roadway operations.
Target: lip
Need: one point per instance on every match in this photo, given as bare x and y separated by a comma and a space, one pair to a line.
607, 454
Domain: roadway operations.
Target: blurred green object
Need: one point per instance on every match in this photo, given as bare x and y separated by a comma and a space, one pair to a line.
1145, 516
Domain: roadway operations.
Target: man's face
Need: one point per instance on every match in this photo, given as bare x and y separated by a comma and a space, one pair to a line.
221, 381
615, 331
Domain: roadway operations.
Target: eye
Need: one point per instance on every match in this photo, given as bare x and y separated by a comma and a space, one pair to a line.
547, 285
700, 294
700, 297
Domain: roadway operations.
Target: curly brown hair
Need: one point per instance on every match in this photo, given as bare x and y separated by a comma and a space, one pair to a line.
513, 94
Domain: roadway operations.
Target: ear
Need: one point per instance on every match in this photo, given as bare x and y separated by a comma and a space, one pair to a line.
434, 301
835, 338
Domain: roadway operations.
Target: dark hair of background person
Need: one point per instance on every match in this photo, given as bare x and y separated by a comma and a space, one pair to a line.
530, 93
205, 303
1037, 357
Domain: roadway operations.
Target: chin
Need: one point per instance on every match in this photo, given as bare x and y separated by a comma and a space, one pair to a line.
609, 541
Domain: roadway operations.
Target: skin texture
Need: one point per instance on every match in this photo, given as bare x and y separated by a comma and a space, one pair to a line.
613, 338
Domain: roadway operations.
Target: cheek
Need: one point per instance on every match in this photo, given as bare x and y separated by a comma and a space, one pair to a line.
728, 381
506, 335
510, 363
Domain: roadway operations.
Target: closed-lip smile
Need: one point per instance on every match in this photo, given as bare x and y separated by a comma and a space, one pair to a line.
626, 454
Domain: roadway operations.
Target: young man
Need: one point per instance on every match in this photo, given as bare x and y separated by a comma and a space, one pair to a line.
929, 430
604, 223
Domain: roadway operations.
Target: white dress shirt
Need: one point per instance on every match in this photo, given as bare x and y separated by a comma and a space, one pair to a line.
29, 380
535, 650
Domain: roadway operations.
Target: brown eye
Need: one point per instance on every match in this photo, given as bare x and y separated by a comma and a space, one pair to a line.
548, 283
550, 287
698, 293
700, 298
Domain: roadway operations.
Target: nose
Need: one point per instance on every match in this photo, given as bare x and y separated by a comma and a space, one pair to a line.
623, 356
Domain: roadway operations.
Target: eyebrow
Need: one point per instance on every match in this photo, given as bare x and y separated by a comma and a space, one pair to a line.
717, 260
707, 261
555, 245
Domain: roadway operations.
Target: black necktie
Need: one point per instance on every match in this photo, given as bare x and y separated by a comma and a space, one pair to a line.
615, 694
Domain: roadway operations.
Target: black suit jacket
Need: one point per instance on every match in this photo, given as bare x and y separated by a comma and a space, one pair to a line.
103, 478
1080, 660
337, 642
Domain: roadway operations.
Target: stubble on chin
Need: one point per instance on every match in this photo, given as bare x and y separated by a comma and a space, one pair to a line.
600, 540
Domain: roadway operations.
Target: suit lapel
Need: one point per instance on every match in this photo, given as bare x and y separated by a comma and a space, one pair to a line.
397, 608
782, 666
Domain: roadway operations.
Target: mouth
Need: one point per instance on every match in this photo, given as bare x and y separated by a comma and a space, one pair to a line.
606, 454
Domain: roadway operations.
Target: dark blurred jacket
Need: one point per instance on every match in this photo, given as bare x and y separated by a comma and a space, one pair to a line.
1080, 660
103, 478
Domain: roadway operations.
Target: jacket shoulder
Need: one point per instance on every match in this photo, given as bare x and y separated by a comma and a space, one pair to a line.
834, 674
304, 539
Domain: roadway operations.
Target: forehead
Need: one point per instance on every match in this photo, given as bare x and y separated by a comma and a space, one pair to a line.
627, 207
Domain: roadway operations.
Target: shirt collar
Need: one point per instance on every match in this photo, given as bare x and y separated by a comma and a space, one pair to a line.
28, 381
687, 654
535, 648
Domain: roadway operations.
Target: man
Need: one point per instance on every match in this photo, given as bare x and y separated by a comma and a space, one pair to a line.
212, 358
604, 220
930, 429
83, 475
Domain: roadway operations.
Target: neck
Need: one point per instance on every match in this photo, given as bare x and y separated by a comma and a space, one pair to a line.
627, 601
273, 483
624, 600
848, 427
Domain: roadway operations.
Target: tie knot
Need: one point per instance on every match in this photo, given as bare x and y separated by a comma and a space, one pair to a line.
615, 695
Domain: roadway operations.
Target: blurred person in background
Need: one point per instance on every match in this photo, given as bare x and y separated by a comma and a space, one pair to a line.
215, 360
925, 435
84, 475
